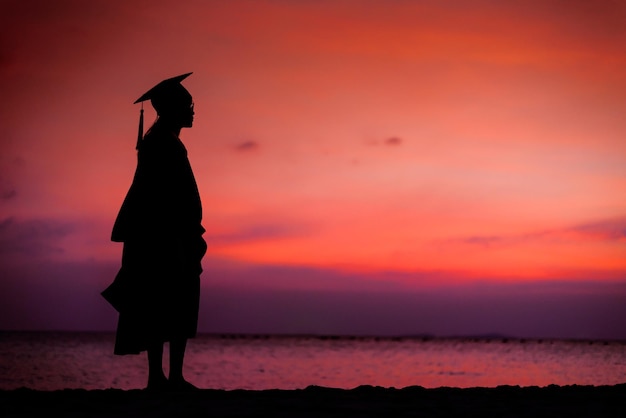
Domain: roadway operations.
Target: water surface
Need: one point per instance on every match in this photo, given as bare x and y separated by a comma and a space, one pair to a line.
50, 361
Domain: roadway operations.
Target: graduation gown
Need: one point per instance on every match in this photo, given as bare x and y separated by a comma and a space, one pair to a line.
157, 289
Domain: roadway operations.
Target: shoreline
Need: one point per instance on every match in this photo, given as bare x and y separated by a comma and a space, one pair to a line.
314, 401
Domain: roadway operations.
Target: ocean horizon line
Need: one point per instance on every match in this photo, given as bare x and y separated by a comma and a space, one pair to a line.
505, 338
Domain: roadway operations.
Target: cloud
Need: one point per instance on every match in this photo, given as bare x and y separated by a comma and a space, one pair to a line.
602, 230
33, 237
277, 299
485, 241
56, 295
258, 232
303, 300
393, 141
247, 146
9, 168
489, 241
605, 230
7, 193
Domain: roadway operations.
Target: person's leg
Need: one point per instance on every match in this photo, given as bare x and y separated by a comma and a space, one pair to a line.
156, 377
177, 356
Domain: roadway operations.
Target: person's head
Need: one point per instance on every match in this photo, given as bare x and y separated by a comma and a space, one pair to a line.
174, 105
172, 102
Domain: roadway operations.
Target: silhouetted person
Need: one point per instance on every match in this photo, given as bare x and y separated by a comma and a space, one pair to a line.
157, 288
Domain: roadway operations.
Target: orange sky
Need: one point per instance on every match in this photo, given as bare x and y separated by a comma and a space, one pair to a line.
482, 139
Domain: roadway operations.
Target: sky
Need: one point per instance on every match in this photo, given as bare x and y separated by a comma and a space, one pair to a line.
365, 167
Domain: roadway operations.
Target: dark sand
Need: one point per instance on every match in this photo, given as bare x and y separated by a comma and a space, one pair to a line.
364, 401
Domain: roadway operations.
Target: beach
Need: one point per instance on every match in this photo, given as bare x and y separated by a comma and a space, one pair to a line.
318, 401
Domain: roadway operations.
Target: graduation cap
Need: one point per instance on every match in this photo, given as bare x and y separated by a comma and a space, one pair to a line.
164, 96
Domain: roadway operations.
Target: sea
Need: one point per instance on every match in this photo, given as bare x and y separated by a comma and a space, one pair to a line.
84, 360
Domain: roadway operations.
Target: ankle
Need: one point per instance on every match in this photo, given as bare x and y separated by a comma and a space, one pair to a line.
156, 377
176, 378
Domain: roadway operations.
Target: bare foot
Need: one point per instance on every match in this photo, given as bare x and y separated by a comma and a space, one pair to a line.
181, 385
159, 384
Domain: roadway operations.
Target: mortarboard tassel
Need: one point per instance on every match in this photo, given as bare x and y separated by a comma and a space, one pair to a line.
140, 133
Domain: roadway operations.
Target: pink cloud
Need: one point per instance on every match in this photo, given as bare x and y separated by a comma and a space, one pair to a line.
247, 146
608, 230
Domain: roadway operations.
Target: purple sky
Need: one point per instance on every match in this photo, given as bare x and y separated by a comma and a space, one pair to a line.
366, 167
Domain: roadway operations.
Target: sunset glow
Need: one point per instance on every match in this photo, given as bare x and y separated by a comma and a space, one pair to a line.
441, 142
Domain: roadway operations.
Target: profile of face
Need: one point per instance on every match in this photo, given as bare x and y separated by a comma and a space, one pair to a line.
176, 109
186, 115
180, 115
